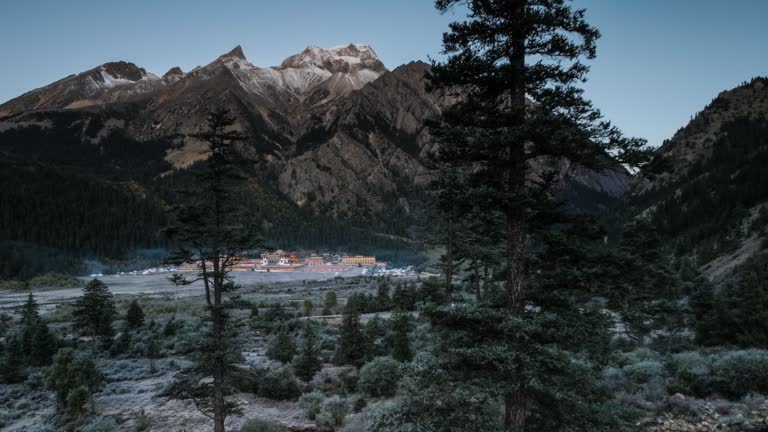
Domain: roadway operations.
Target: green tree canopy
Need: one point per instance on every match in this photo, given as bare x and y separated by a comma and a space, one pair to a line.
134, 316
95, 310
282, 347
353, 348
307, 363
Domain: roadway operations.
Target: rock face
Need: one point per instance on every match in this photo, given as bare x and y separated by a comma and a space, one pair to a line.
365, 150
174, 74
337, 130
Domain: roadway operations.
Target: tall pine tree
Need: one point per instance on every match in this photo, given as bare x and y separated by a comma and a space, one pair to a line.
647, 293
211, 229
514, 68
95, 310
401, 343
282, 348
134, 316
307, 363
353, 347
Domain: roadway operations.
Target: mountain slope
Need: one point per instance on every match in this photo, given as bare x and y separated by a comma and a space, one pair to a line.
713, 202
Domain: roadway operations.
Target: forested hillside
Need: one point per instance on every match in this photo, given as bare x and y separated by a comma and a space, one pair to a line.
51, 219
713, 205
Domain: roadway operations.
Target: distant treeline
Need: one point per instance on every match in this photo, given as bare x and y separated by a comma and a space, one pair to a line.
52, 218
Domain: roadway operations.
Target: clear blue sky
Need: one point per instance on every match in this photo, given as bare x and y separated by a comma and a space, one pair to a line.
659, 61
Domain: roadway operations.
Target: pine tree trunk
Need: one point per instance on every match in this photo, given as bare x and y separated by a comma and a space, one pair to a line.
218, 322
515, 399
514, 413
218, 375
476, 280
449, 263
218, 403
515, 263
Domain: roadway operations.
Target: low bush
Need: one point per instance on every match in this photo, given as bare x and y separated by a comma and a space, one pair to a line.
638, 385
14, 285
76, 400
674, 343
102, 425
358, 403
333, 412
139, 349
61, 313
655, 390
643, 371
738, 373
172, 327
636, 356
336, 380
358, 423
380, 377
244, 380
279, 384
168, 308
753, 402
257, 425
35, 381
312, 403
142, 422
184, 346
729, 374
276, 313
616, 380
682, 406
634, 401
691, 374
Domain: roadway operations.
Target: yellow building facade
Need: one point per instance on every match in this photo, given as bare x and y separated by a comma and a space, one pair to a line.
359, 260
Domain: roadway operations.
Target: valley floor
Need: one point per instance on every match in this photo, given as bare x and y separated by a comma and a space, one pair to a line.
130, 399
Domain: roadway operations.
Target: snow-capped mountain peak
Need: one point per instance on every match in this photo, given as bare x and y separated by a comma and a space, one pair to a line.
114, 74
174, 74
314, 76
338, 59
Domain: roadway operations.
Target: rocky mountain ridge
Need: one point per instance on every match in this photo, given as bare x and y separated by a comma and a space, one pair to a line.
110, 82
334, 141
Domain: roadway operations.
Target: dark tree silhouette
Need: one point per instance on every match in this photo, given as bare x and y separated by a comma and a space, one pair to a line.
513, 69
211, 230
